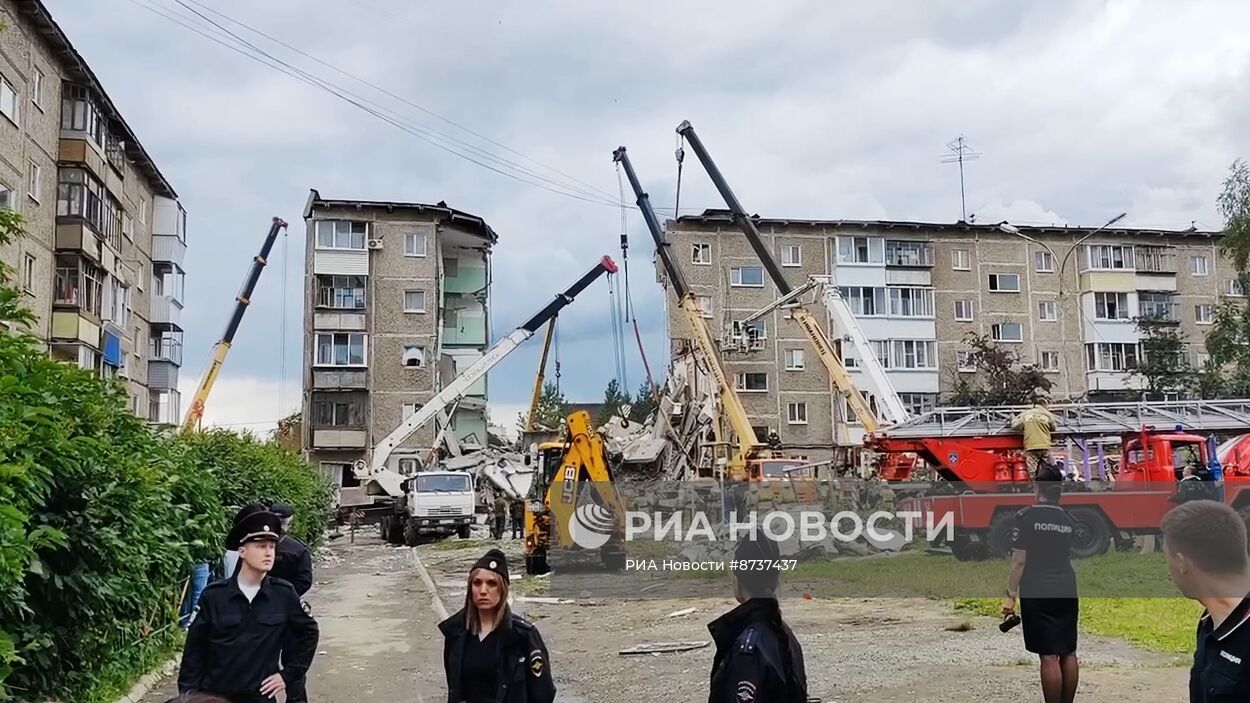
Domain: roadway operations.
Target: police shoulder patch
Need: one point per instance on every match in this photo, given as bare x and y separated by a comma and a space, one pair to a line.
536, 663
746, 692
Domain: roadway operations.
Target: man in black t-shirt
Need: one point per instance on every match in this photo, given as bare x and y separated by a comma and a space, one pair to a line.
1043, 579
1205, 545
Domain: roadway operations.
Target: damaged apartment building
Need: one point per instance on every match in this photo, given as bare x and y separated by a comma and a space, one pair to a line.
1065, 298
396, 304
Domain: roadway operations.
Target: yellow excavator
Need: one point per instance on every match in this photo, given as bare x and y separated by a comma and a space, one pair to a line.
573, 502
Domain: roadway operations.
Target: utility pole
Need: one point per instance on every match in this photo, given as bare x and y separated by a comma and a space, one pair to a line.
961, 153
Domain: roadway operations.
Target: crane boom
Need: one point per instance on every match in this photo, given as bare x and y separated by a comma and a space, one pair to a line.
391, 481
731, 404
815, 335
538, 379
218, 357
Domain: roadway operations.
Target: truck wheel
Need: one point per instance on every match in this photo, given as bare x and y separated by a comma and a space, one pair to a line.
965, 549
384, 528
1091, 536
999, 537
410, 534
463, 532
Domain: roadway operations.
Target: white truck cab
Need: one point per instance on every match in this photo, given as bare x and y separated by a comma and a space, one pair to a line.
439, 502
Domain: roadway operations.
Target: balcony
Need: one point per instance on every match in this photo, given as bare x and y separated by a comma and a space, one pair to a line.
1161, 309
71, 326
467, 279
168, 249
165, 310
909, 254
464, 328
162, 376
339, 439
165, 349
336, 379
165, 408
1155, 260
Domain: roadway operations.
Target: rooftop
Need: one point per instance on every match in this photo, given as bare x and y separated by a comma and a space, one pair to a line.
77, 71
457, 217
718, 216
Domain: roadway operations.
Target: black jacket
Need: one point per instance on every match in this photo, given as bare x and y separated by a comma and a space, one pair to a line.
293, 562
526, 675
757, 657
233, 645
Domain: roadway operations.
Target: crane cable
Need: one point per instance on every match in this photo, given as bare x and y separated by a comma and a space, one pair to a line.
680, 154
555, 342
632, 315
282, 411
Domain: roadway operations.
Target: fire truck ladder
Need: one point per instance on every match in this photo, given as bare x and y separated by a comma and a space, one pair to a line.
890, 407
1082, 419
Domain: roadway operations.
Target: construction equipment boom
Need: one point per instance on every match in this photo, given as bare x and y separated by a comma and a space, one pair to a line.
749, 446
538, 380
391, 482
887, 398
218, 358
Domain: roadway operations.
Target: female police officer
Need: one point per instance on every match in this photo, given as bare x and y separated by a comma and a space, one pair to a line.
490, 654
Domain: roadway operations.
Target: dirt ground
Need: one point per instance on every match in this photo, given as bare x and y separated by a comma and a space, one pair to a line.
380, 642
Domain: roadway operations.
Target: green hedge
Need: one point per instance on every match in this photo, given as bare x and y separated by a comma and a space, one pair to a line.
101, 519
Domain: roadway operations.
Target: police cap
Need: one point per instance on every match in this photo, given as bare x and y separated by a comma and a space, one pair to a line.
282, 510
259, 527
235, 535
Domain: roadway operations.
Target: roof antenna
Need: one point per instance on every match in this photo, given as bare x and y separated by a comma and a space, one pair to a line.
962, 152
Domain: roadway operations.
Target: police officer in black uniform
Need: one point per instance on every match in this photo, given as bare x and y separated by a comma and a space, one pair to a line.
490, 654
1043, 579
757, 657
293, 563
1204, 542
246, 624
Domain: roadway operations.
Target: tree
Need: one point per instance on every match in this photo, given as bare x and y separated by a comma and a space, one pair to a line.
551, 412
1234, 206
644, 403
613, 401
1228, 341
1163, 364
1000, 378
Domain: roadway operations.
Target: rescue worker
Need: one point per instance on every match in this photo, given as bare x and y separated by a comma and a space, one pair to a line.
490, 654
1190, 487
757, 657
292, 562
1043, 579
500, 514
1204, 542
247, 624
1037, 424
518, 518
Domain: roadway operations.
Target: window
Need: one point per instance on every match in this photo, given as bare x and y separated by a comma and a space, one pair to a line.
143, 211
1043, 262
34, 185
791, 255
751, 381
8, 99
1232, 286
908, 254
415, 244
746, 276
960, 260
796, 413
1047, 311
36, 88
704, 303
339, 234
341, 292
1198, 266
755, 333
701, 254
864, 301
451, 267
1158, 306
77, 283
6, 197
1007, 332
914, 354
79, 113
861, 250
964, 361
338, 413
340, 349
1110, 356
414, 301
28, 273
414, 356
1111, 306
407, 410
1156, 259
1109, 257
80, 194
963, 311
794, 359
911, 302
1204, 314
1049, 360
918, 403
1005, 282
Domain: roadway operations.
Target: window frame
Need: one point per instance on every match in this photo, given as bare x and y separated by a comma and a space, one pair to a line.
790, 356
798, 252
410, 237
1101, 316
695, 249
965, 255
334, 238
36, 88
1043, 355
1210, 316
740, 381
995, 279
915, 296
415, 311
739, 283
1193, 265
16, 116
996, 329
1038, 256
28, 272
963, 357
34, 180
1043, 306
795, 409
971, 310
334, 296
404, 356
705, 312
364, 349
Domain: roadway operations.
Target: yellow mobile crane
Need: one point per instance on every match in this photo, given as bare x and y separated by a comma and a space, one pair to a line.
888, 399
751, 459
196, 412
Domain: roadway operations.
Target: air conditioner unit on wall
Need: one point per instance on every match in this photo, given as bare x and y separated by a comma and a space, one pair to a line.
375, 243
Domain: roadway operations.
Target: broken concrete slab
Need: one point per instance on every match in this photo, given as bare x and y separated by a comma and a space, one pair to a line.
663, 647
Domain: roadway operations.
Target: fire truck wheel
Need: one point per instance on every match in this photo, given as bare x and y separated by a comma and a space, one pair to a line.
1091, 537
463, 532
965, 549
999, 538
410, 534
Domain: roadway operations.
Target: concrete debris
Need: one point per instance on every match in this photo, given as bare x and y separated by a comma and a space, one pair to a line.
894, 541
681, 613
545, 600
663, 647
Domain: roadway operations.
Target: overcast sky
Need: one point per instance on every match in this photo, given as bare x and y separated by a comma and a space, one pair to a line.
1080, 110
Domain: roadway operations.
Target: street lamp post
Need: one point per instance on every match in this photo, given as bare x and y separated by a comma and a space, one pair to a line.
1007, 228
